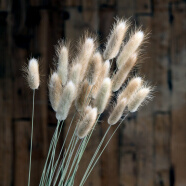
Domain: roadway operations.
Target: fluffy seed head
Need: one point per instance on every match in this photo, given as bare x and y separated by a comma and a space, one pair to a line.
85, 54
103, 95
138, 99
75, 73
55, 90
87, 123
131, 46
33, 74
117, 112
82, 97
94, 68
62, 68
114, 41
131, 89
123, 72
104, 72
66, 100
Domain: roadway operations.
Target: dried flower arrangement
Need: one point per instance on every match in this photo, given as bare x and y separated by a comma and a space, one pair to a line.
88, 84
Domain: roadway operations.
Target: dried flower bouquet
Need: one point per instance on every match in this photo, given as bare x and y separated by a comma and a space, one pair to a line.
88, 83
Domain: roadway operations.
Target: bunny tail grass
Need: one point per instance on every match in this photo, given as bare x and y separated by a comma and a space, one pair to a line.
66, 101
138, 99
87, 123
104, 72
120, 77
55, 90
117, 112
133, 86
33, 74
131, 46
103, 95
62, 68
115, 40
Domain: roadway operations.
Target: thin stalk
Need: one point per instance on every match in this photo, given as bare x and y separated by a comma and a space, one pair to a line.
68, 161
56, 163
83, 147
95, 154
74, 161
63, 160
53, 152
50, 148
54, 144
30, 164
104, 148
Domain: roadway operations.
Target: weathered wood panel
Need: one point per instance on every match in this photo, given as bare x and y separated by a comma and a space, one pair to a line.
150, 149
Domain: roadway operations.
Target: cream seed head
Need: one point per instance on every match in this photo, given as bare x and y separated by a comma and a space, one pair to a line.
87, 49
138, 99
115, 40
55, 90
66, 100
104, 72
82, 97
62, 68
33, 74
103, 95
94, 68
133, 86
123, 72
131, 46
117, 112
75, 73
87, 123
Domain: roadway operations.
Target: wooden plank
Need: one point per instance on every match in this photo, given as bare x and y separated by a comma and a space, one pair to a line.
162, 148
145, 141
6, 133
107, 2
178, 46
143, 7
128, 153
22, 142
125, 9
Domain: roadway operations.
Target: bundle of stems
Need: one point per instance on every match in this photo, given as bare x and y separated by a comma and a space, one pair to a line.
85, 85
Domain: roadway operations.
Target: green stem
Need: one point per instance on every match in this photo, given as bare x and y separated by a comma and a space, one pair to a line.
50, 148
94, 156
31, 139
104, 148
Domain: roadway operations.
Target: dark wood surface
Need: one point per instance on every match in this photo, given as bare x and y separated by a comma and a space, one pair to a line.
150, 148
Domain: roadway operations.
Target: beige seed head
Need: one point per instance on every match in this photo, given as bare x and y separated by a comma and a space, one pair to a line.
103, 95
138, 99
131, 46
55, 90
133, 86
33, 74
87, 123
123, 72
104, 72
66, 100
82, 97
75, 73
117, 112
85, 54
94, 68
62, 68
114, 41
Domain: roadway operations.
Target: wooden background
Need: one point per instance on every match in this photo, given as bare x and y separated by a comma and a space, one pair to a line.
150, 150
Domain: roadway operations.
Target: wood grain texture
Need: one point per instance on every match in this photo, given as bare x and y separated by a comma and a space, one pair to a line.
150, 147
